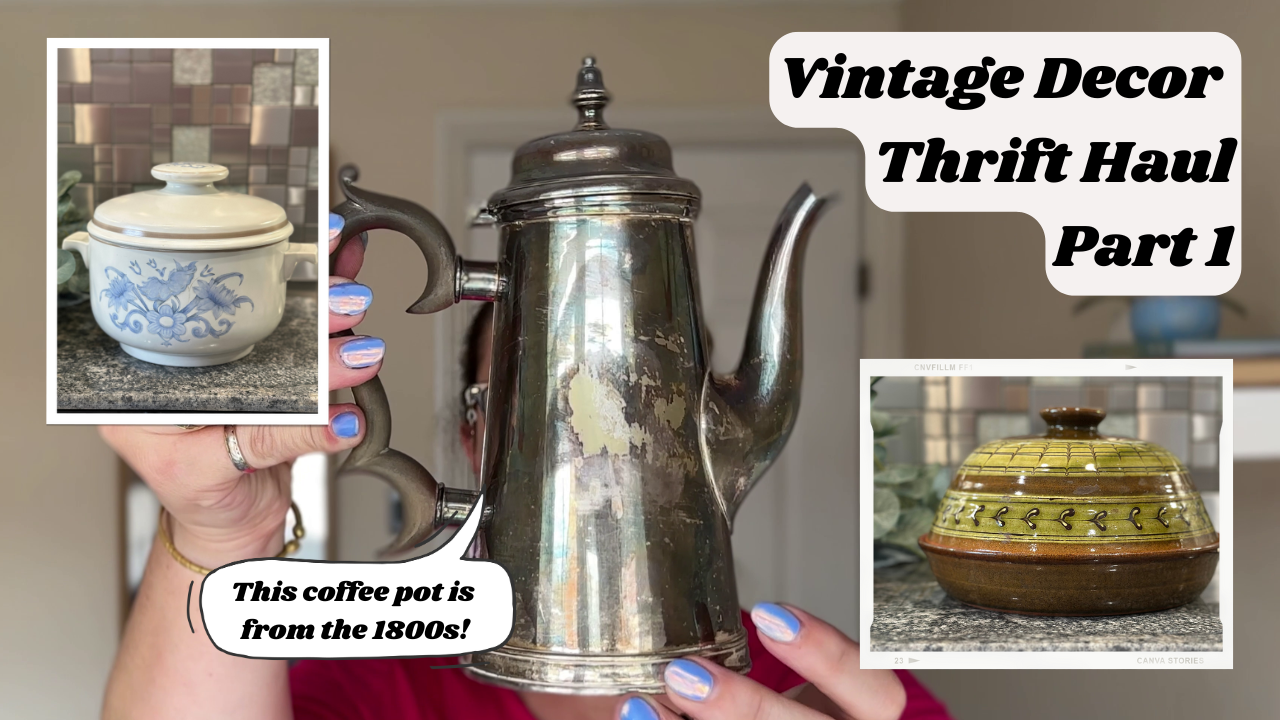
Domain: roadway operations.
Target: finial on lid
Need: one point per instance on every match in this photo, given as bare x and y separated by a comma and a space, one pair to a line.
1072, 422
590, 96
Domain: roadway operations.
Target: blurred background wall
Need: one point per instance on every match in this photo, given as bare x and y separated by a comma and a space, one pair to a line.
395, 68
949, 283
950, 255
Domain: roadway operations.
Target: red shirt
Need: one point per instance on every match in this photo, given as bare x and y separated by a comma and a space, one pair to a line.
408, 689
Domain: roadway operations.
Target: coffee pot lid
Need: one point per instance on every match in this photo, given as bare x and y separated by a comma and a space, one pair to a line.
189, 213
592, 158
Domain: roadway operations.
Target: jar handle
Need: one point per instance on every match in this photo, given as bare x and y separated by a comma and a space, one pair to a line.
428, 505
78, 242
295, 253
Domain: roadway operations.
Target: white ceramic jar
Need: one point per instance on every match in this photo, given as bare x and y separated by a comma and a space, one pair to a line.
188, 274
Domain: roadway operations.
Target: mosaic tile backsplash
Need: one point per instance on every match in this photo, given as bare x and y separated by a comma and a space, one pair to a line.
947, 417
121, 111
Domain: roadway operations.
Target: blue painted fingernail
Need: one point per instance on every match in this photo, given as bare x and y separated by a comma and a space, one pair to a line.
775, 621
688, 679
349, 298
364, 240
345, 425
335, 226
361, 352
637, 709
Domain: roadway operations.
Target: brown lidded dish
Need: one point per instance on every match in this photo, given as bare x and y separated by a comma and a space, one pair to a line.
1072, 523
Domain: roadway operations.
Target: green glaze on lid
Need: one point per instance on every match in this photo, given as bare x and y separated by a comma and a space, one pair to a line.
1071, 446
1098, 457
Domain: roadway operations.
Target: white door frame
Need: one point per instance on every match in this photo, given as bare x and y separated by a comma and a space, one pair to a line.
459, 133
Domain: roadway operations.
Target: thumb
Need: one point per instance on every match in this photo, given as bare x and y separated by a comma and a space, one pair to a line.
264, 446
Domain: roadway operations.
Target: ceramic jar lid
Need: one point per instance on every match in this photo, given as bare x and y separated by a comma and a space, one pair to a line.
1083, 486
592, 159
1071, 447
1072, 485
189, 213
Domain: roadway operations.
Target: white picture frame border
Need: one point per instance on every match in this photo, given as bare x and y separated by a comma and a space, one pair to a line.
978, 660
52, 414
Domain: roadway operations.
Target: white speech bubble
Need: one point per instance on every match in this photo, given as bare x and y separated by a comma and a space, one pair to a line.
1127, 208
427, 623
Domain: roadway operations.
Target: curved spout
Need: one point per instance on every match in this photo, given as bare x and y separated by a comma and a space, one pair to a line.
748, 415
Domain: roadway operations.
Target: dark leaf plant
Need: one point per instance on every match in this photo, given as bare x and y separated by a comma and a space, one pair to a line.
906, 496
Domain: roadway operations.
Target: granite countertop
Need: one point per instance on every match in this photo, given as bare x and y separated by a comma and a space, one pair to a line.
913, 614
279, 376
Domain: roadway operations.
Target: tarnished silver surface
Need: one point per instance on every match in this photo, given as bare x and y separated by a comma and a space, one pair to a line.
613, 459
607, 435
478, 280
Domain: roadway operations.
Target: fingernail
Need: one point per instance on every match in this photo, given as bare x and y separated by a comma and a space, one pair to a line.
637, 709
688, 679
364, 240
335, 226
361, 352
775, 622
349, 298
345, 425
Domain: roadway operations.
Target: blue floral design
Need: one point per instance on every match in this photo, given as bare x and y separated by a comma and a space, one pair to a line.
166, 305
160, 289
117, 292
167, 323
219, 298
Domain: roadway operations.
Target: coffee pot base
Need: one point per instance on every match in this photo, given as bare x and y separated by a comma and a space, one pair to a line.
579, 674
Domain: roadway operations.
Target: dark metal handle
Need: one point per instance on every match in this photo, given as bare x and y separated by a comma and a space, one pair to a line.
427, 504
365, 210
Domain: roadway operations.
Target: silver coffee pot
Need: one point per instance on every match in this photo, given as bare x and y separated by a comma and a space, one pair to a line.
614, 460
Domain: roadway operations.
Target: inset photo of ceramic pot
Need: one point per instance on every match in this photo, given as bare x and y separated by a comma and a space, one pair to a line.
188, 274
1072, 522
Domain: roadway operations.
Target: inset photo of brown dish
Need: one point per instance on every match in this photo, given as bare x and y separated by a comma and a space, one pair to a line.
1046, 514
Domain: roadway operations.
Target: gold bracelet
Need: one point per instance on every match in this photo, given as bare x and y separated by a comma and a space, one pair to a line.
289, 548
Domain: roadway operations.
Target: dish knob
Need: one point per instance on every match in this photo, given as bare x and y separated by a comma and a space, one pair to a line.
1072, 422
183, 175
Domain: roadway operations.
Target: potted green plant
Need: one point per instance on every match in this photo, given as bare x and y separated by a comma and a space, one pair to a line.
73, 276
906, 496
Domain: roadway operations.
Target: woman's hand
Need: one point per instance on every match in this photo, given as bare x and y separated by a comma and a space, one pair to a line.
821, 654
166, 667
220, 514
